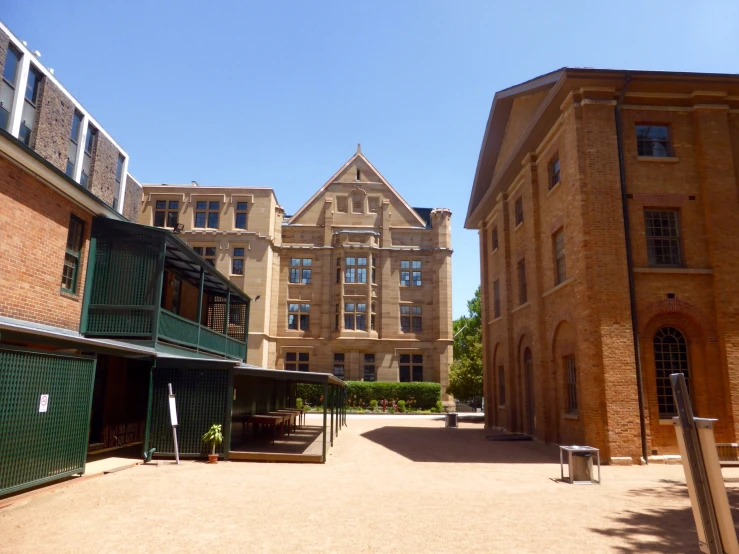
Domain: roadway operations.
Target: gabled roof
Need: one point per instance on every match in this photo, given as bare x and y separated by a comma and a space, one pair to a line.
495, 131
343, 168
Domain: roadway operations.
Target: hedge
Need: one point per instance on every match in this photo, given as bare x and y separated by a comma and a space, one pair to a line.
421, 396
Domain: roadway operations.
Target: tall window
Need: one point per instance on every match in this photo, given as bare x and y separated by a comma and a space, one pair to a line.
405, 274
554, 175
338, 269
297, 361
560, 270
8, 84
72, 255
237, 261
411, 319
298, 316
571, 384
339, 365
518, 206
373, 308
206, 214
670, 356
501, 386
411, 368
369, 367
374, 269
496, 298
240, 215
207, 252
90, 140
300, 270
74, 140
118, 179
653, 141
494, 238
355, 270
29, 106
416, 273
166, 213
663, 238
355, 316
522, 289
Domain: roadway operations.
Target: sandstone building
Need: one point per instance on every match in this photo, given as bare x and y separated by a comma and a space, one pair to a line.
356, 283
606, 204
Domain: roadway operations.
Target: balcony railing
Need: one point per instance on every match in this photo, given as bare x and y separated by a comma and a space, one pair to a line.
180, 330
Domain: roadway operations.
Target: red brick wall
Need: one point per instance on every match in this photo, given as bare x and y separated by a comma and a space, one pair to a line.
34, 222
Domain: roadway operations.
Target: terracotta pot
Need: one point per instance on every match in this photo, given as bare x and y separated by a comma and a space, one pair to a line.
212, 458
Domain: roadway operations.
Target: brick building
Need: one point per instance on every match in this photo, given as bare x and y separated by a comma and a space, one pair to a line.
356, 282
36, 109
606, 206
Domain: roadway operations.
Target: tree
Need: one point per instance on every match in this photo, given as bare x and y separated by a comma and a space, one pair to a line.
465, 375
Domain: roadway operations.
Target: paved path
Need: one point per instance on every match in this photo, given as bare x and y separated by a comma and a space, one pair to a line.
401, 484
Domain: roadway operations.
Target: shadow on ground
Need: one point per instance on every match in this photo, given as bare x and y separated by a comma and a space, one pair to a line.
665, 529
461, 445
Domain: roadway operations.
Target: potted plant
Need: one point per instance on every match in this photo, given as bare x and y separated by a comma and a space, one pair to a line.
213, 437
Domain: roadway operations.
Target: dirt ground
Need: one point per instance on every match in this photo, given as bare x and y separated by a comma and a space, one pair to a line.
392, 484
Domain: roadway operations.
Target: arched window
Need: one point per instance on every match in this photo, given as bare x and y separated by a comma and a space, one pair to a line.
670, 356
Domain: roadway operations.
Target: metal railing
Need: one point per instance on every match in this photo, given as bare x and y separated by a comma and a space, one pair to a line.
183, 331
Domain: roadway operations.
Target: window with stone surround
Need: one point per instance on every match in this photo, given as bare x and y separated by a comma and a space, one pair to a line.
339, 365
28, 115
571, 385
494, 238
558, 247
663, 238
298, 316
208, 253
90, 141
300, 270
416, 279
369, 368
410, 368
206, 214
653, 141
518, 206
411, 319
297, 361
166, 213
405, 276
74, 141
670, 356
355, 316
237, 261
240, 215
554, 174
355, 269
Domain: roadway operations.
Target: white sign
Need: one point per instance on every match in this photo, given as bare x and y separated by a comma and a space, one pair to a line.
43, 403
172, 410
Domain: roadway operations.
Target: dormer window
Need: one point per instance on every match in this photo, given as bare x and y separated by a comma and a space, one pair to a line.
359, 174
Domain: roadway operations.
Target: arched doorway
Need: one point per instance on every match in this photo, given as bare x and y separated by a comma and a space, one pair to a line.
528, 371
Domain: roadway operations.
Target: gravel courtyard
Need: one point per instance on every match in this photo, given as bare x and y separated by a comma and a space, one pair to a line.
391, 484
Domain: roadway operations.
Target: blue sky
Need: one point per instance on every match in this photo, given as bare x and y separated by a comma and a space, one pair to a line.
277, 94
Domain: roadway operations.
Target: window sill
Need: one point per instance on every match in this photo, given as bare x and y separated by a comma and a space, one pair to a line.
496, 319
235, 274
663, 421
521, 307
501, 407
555, 187
557, 287
677, 270
517, 226
666, 159
69, 294
572, 416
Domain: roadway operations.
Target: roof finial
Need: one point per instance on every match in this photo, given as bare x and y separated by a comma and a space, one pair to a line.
359, 148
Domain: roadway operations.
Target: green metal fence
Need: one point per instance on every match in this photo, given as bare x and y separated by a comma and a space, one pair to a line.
203, 398
39, 441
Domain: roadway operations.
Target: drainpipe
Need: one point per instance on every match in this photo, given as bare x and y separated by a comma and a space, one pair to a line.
630, 268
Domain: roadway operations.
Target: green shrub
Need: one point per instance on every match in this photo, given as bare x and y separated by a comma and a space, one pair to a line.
401, 406
439, 406
360, 394
373, 405
299, 403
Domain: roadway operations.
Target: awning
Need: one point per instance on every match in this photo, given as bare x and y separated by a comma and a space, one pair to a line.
285, 375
